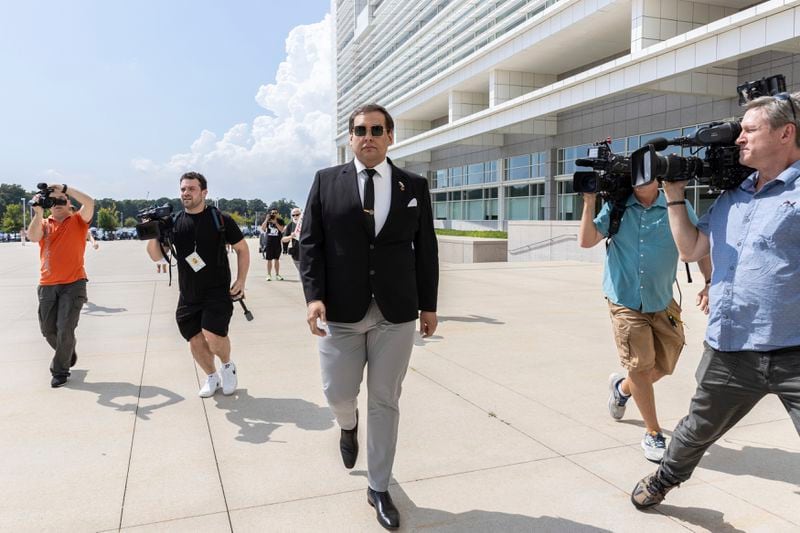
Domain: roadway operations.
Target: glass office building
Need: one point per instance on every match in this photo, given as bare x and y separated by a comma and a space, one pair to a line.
494, 101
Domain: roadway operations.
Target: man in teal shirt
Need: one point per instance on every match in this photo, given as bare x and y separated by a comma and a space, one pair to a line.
640, 269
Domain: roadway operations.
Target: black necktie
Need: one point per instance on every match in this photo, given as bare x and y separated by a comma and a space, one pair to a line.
369, 201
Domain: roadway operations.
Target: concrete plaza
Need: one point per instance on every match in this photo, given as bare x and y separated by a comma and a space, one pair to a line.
504, 422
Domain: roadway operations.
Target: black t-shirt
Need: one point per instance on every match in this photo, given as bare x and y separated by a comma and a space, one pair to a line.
214, 279
272, 230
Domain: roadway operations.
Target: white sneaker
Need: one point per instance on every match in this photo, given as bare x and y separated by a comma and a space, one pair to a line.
210, 386
229, 379
654, 445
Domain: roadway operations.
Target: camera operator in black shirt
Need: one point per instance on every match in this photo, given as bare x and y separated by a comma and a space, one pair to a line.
204, 278
273, 226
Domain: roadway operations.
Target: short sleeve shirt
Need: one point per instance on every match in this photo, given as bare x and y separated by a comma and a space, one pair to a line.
642, 259
199, 232
61, 250
755, 249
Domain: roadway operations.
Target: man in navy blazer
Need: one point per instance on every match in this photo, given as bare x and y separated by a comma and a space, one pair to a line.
369, 265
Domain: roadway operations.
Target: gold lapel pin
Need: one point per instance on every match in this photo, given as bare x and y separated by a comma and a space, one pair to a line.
402, 187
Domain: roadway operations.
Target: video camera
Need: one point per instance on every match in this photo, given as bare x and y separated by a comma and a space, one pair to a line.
45, 200
155, 223
611, 174
610, 179
719, 168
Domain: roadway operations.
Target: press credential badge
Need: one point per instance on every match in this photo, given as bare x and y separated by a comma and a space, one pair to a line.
195, 261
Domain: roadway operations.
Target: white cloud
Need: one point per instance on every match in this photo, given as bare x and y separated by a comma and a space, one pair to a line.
277, 155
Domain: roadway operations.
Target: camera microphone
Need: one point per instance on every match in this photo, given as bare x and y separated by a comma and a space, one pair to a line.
247, 314
659, 143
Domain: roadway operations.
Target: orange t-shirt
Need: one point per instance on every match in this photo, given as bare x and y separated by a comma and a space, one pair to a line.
61, 250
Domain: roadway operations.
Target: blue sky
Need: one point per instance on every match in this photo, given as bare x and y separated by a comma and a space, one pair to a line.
105, 94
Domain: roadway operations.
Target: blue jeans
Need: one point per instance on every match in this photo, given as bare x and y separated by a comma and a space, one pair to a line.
729, 385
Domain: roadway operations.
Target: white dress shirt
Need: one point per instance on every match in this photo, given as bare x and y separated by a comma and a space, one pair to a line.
382, 180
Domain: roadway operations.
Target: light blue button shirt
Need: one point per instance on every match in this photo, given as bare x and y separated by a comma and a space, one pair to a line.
642, 260
755, 251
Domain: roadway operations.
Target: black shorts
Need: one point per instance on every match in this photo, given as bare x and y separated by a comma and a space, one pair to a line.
273, 249
213, 314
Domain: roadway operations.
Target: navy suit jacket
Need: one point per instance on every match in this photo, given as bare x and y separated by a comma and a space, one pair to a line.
342, 265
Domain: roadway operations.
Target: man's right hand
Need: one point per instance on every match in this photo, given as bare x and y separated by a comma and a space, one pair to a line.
316, 309
673, 190
37, 209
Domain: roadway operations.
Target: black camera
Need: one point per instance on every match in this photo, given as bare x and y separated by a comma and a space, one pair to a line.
611, 174
45, 200
719, 168
155, 223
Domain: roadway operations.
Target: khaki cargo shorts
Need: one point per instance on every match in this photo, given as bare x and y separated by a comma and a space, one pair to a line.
648, 340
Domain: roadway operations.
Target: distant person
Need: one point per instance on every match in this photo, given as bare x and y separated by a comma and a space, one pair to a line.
369, 265
291, 236
90, 238
272, 226
204, 278
62, 280
640, 268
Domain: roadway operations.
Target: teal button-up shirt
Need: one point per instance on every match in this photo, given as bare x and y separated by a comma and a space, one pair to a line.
642, 260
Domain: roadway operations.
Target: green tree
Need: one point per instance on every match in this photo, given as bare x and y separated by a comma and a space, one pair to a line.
108, 218
12, 218
10, 195
129, 222
239, 219
284, 207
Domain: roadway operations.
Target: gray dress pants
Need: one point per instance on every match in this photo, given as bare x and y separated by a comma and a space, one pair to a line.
59, 311
729, 385
385, 349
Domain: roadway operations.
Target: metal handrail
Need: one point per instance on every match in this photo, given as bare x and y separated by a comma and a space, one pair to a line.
538, 244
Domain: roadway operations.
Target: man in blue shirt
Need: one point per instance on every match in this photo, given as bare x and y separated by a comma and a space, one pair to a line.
640, 269
752, 345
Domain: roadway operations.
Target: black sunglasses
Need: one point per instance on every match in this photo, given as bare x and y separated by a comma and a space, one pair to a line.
786, 97
375, 131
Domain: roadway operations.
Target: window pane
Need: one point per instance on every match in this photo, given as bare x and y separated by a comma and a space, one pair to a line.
517, 209
491, 193
440, 210
519, 161
516, 191
474, 210
475, 173
475, 194
521, 173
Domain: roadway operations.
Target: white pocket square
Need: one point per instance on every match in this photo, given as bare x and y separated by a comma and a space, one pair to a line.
412, 203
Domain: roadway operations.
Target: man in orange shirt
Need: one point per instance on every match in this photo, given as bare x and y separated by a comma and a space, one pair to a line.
62, 281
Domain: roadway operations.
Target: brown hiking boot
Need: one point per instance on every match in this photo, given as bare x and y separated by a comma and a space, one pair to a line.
650, 491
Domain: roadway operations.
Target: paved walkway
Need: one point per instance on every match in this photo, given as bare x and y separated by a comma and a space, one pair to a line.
504, 424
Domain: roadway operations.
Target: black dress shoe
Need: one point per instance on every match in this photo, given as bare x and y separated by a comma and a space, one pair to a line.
58, 381
385, 510
73, 359
348, 445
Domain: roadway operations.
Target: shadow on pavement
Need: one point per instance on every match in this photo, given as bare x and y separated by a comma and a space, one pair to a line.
108, 392
764, 463
470, 318
98, 310
257, 418
413, 517
705, 518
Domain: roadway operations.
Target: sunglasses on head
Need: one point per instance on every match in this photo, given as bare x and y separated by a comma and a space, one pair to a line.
361, 131
786, 97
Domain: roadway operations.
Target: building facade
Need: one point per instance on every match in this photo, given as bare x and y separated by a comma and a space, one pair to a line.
494, 101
